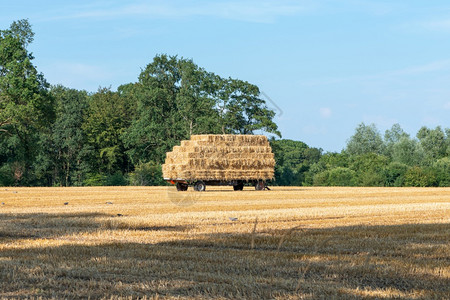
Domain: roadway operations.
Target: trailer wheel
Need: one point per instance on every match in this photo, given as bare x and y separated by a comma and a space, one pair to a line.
199, 186
182, 186
260, 185
239, 186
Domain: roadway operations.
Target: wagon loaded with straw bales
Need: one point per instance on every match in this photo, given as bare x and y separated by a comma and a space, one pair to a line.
220, 160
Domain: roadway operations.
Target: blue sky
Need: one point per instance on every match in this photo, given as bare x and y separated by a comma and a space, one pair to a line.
326, 65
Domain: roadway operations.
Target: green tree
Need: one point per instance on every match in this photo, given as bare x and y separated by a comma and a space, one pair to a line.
369, 169
68, 138
392, 137
408, 151
420, 177
366, 139
333, 160
158, 124
241, 109
394, 174
447, 138
26, 108
147, 174
328, 161
442, 171
293, 159
193, 99
176, 98
108, 116
338, 176
433, 142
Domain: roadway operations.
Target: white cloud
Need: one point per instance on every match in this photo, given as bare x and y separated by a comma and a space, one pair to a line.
415, 70
437, 25
372, 7
421, 69
447, 105
325, 112
77, 75
265, 11
253, 11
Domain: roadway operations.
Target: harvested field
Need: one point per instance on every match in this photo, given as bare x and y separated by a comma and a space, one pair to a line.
288, 243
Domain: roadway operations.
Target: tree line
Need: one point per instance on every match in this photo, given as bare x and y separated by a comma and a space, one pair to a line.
58, 136
369, 159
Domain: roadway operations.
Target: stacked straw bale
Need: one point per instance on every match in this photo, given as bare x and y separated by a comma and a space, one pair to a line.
220, 157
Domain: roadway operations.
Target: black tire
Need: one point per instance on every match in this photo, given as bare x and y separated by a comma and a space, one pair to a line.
238, 187
182, 186
199, 186
260, 185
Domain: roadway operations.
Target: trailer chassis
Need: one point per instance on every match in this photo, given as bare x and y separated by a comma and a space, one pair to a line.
200, 185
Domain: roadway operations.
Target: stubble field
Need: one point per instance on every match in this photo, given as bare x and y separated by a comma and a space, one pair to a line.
287, 243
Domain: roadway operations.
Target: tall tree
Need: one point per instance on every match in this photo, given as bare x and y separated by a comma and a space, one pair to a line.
107, 118
193, 100
408, 151
158, 124
68, 138
251, 111
366, 139
241, 109
293, 159
447, 138
433, 142
176, 98
25, 104
393, 136
369, 169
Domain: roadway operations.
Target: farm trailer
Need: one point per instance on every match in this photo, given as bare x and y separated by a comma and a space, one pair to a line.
220, 160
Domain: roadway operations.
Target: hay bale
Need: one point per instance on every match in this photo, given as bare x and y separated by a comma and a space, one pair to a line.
220, 157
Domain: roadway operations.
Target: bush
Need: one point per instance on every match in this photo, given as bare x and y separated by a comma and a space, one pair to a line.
147, 174
116, 179
394, 174
94, 179
417, 176
335, 177
315, 169
369, 168
321, 179
442, 169
370, 178
6, 176
284, 176
342, 177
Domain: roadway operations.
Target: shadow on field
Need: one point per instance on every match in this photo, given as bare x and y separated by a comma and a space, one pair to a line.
252, 189
287, 189
44, 225
164, 228
402, 262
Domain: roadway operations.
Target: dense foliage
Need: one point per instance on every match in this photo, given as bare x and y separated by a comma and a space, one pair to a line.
394, 159
57, 136
64, 137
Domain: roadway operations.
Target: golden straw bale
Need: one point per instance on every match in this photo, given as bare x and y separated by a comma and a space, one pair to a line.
221, 157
